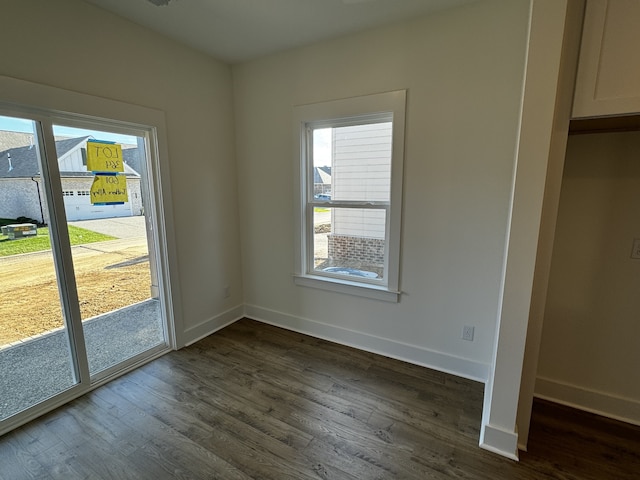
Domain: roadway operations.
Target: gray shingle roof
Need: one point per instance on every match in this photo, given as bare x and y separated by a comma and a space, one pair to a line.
322, 175
22, 162
64, 146
19, 162
132, 159
10, 139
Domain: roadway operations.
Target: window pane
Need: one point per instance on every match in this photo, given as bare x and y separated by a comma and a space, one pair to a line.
322, 163
349, 241
116, 276
354, 162
35, 355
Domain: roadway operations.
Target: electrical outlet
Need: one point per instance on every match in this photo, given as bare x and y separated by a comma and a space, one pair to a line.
635, 252
467, 333
227, 291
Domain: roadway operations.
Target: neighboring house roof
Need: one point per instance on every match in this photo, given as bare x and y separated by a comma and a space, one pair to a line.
22, 162
132, 158
322, 175
10, 139
64, 147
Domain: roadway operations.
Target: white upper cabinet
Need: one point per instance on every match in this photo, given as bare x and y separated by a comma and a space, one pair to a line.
608, 81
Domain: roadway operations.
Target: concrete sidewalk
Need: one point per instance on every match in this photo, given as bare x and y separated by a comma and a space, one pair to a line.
40, 367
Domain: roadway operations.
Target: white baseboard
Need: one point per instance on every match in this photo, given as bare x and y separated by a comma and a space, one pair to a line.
443, 362
601, 403
497, 440
206, 328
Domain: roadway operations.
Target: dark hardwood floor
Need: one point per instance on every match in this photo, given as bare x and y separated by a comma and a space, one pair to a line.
255, 401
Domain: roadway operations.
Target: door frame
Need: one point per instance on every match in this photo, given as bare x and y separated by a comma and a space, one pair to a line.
48, 105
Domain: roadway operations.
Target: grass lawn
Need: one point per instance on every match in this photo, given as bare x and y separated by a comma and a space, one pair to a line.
77, 235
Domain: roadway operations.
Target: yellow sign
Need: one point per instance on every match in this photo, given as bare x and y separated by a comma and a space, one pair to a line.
109, 189
104, 157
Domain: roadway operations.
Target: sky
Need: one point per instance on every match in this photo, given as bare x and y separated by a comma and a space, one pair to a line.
26, 126
322, 147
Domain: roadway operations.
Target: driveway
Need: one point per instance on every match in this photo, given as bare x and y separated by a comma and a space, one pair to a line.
119, 227
321, 217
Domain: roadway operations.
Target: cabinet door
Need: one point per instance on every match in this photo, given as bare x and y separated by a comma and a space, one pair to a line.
608, 81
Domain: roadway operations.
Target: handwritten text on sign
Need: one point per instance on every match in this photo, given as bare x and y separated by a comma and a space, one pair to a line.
109, 189
104, 157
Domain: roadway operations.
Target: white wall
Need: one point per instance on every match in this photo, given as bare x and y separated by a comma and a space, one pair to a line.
589, 353
73, 45
546, 15
463, 70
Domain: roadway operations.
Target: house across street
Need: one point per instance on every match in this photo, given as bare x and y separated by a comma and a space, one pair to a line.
21, 188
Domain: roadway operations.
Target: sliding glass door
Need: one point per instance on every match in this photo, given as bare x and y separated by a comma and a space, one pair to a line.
81, 287
104, 183
37, 358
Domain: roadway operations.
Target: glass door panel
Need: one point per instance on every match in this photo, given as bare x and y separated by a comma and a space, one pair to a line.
36, 362
105, 185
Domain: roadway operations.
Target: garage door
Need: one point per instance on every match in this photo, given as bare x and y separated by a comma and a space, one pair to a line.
78, 206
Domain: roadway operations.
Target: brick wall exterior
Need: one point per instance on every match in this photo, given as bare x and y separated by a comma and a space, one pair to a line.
357, 251
19, 196
135, 196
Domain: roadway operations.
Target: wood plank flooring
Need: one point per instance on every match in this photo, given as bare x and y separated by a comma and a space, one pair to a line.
257, 402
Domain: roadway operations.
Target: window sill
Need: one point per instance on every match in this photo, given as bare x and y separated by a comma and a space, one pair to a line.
350, 288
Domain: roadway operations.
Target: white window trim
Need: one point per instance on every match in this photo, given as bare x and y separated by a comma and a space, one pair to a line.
348, 111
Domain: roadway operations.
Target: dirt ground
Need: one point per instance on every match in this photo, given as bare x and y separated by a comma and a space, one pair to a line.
29, 298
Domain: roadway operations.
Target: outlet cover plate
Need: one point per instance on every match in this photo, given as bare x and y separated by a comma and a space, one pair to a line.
467, 333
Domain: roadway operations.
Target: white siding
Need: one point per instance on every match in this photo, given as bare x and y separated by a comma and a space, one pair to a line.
361, 168
359, 222
361, 171
72, 162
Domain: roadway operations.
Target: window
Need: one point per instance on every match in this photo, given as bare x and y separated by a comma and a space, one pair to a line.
349, 187
86, 358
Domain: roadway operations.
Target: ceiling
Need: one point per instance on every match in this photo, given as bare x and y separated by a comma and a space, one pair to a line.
240, 30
